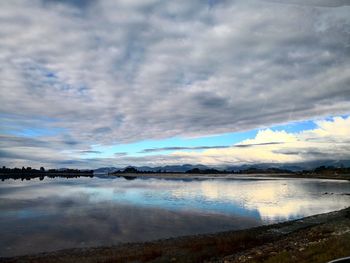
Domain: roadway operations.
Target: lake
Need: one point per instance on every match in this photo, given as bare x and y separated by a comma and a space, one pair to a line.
58, 213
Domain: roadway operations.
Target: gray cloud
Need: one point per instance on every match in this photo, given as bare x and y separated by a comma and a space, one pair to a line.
205, 147
73, 3
109, 72
15, 141
256, 144
90, 151
339, 152
182, 148
118, 154
324, 3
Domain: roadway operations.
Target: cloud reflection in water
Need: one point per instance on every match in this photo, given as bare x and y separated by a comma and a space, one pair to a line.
59, 213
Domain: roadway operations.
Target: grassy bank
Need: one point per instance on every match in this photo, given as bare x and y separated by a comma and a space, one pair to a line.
313, 239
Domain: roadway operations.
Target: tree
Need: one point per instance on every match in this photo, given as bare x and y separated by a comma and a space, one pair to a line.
130, 170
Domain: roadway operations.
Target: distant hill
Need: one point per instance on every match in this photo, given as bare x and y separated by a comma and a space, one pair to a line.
166, 168
294, 167
197, 169
105, 170
248, 168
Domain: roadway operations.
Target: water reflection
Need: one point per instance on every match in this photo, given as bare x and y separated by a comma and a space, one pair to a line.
277, 200
59, 213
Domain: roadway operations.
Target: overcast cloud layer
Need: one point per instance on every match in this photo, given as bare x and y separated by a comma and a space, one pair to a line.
107, 72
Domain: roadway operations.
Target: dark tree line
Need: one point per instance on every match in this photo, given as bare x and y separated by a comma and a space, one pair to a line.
252, 170
327, 170
27, 173
133, 170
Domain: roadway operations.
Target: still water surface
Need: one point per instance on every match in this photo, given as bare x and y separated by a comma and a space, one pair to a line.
58, 213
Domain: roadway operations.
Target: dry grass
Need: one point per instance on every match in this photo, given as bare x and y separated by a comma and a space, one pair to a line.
335, 247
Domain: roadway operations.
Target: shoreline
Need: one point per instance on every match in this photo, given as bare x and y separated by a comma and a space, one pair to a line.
345, 177
183, 176
286, 241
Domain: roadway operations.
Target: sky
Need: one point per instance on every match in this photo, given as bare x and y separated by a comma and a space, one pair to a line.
89, 84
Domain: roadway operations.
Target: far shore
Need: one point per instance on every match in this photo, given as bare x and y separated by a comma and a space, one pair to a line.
318, 238
233, 176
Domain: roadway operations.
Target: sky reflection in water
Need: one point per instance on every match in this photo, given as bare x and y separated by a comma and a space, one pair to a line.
61, 213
